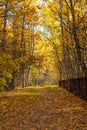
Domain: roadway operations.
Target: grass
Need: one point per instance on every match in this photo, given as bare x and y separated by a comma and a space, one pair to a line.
31, 92
20, 92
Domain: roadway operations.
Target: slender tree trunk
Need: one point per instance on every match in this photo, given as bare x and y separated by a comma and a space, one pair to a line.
77, 42
4, 27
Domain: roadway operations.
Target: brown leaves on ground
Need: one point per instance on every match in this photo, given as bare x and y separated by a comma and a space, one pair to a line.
48, 108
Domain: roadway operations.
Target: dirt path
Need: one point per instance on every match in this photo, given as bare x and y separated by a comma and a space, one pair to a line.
52, 109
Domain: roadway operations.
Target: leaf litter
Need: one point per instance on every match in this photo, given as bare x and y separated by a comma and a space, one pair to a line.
42, 108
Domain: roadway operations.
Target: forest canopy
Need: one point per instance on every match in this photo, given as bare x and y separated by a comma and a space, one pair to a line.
42, 41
